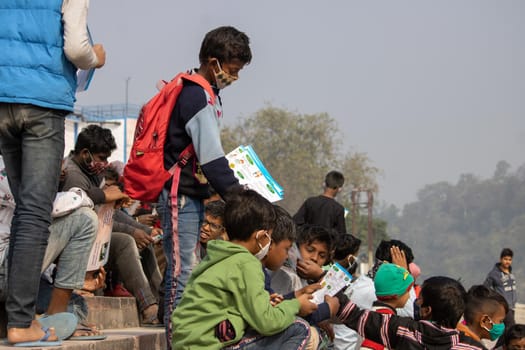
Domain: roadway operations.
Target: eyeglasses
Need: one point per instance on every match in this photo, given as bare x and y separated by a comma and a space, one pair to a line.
213, 227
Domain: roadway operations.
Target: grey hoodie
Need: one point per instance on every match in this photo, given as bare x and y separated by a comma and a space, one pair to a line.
503, 283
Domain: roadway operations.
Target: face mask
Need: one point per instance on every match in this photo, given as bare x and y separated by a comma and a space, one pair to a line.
223, 79
496, 331
264, 250
95, 167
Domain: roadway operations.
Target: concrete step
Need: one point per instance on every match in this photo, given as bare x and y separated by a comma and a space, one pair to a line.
112, 312
139, 338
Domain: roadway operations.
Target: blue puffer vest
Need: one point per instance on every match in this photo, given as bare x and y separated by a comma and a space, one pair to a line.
33, 67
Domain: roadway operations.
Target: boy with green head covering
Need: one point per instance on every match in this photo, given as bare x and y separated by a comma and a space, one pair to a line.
392, 284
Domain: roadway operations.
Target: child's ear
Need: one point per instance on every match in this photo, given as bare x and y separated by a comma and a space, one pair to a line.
484, 321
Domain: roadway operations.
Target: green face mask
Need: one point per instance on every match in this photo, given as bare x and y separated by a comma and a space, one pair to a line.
496, 331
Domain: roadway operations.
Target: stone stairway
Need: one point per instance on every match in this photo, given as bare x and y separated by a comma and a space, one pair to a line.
118, 318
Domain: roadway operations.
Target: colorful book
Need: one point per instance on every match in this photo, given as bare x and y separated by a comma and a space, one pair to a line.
250, 171
333, 281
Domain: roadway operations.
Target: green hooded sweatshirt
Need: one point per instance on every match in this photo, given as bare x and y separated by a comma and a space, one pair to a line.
227, 284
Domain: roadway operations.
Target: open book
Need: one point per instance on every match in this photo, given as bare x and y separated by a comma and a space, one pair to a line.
333, 281
250, 171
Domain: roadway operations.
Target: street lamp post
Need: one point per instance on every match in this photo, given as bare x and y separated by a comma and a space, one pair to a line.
126, 114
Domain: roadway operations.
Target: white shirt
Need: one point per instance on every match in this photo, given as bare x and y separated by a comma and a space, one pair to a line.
77, 46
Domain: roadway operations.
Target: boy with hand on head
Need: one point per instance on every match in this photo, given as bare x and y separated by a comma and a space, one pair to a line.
225, 294
392, 285
442, 303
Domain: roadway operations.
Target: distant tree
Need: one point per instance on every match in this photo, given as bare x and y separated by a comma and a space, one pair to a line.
459, 230
298, 150
502, 169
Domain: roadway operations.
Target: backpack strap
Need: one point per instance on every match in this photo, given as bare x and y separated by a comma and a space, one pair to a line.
200, 80
184, 157
175, 170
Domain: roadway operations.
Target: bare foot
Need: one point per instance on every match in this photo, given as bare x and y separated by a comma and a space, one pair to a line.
84, 330
149, 315
33, 333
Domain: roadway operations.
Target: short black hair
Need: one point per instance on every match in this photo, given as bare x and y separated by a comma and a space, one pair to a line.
383, 250
225, 44
506, 252
285, 228
516, 331
346, 244
215, 208
96, 139
309, 233
334, 179
484, 300
110, 173
246, 212
446, 297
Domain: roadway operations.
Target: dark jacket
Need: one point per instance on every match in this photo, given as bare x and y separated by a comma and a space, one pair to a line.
503, 283
396, 332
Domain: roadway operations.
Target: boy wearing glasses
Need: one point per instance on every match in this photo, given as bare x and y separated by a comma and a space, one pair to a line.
211, 228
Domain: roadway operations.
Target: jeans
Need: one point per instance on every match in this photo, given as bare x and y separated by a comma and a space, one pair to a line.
71, 240
32, 144
292, 338
138, 271
191, 212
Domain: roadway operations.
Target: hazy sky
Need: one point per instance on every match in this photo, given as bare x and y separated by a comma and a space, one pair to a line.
428, 89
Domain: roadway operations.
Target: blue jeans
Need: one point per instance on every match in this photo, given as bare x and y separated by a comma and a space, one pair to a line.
32, 144
191, 212
294, 337
70, 240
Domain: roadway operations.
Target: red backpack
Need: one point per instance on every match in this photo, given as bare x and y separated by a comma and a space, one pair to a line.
144, 173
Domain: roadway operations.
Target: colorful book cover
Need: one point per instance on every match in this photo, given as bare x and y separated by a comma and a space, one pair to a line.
333, 281
250, 171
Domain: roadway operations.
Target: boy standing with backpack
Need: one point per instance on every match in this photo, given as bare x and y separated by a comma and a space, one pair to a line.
195, 121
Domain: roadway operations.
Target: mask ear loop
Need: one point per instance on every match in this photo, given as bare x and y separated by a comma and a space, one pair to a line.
489, 319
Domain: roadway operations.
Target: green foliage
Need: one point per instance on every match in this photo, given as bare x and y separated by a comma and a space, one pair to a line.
459, 230
298, 150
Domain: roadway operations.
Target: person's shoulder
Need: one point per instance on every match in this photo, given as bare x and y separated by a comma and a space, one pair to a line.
192, 93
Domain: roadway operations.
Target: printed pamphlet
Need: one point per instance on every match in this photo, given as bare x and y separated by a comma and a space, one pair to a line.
100, 251
333, 281
250, 171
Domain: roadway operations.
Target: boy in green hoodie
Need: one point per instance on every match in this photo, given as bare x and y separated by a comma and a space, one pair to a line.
225, 294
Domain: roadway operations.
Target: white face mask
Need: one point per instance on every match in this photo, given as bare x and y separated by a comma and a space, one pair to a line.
264, 250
